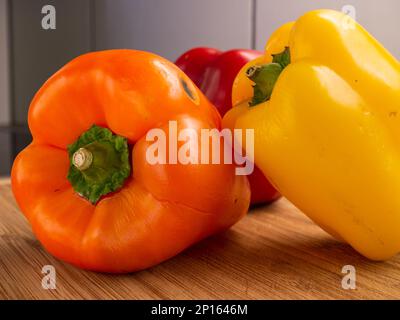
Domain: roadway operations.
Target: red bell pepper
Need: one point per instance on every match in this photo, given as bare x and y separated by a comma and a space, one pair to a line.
214, 71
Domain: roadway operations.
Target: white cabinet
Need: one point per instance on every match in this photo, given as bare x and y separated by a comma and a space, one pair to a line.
170, 27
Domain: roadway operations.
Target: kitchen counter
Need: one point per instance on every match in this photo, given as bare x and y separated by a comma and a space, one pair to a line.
273, 253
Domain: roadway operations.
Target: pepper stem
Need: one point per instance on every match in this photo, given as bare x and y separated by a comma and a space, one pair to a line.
265, 76
99, 163
82, 159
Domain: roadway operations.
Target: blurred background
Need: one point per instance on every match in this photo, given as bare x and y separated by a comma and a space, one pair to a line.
29, 54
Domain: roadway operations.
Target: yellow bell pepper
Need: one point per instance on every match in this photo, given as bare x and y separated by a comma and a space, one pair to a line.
328, 137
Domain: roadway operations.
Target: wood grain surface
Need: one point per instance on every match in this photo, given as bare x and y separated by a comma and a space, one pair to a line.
273, 253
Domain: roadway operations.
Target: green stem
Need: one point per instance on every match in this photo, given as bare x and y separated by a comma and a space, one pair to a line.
265, 76
82, 159
99, 163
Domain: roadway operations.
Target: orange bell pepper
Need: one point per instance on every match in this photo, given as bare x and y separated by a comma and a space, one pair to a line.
84, 183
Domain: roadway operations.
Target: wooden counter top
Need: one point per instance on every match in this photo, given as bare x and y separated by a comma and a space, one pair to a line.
273, 253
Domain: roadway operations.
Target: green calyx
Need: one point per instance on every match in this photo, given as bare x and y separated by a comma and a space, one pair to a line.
99, 163
265, 76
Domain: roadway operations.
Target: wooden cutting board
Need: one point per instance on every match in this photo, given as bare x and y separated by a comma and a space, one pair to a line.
273, 253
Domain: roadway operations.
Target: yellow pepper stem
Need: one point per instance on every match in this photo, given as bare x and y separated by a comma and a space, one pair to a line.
265, 76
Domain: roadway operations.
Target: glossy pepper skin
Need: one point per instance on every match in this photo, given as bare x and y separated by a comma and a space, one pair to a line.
160, 209
214, 71
329, 136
